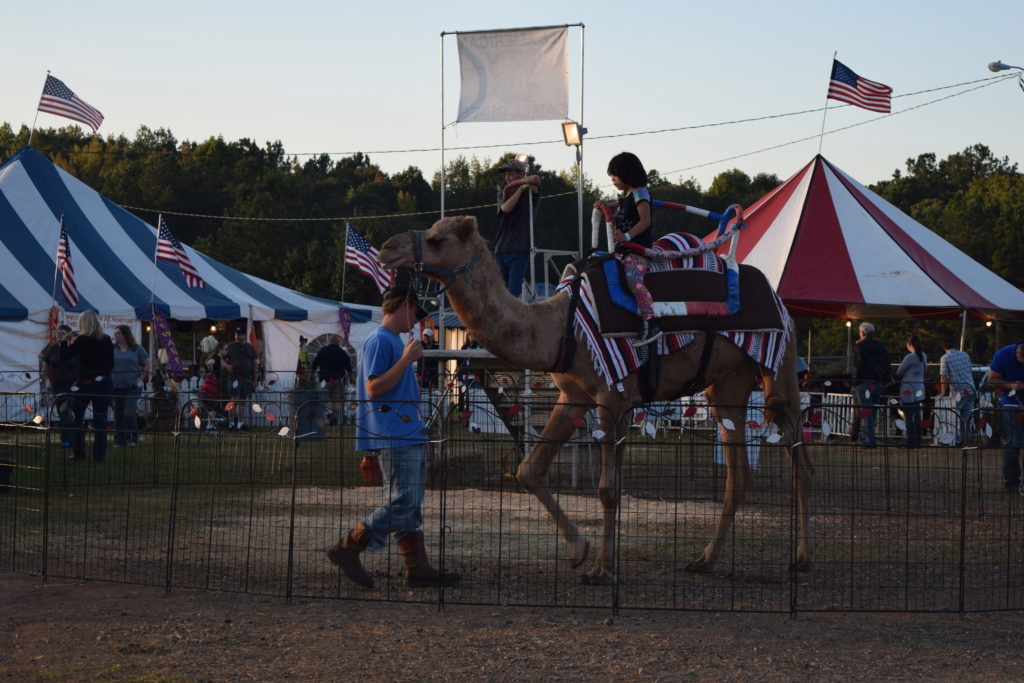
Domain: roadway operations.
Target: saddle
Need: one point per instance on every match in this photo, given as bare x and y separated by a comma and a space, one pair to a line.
685, 299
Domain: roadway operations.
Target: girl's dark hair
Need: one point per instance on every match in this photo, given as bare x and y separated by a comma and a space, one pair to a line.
628, 168
129, 338
915, 344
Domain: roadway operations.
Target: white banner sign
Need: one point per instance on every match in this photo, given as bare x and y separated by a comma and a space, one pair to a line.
514, 75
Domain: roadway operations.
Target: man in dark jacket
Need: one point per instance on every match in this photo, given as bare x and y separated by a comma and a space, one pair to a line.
871, 372
333, 366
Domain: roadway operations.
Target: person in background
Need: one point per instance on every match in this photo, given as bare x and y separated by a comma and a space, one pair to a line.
1006, 376
956, 380
333, 367
871, 372
61, 376
911, 373
129, 365
428, 368
512, 243
95, 354
388, 423
240, 357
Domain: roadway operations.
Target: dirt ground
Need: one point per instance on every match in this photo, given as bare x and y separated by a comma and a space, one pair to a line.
71, 630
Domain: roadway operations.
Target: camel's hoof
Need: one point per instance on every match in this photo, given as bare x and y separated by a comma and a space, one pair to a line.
597, 577
802, 564
580, 553
699, 566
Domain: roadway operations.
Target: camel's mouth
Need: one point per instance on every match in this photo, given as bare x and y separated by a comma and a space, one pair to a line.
392, 255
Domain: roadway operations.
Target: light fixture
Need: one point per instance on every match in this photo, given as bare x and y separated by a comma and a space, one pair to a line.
999, 66
573, 133
988, 323
849, 323
147, 327
523, 159
213, 328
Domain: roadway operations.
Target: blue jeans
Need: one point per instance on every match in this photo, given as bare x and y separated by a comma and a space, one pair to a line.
513, 271
867, 395
912, 418
97, 393
964, 408
404, 472
126, 419
1013, 437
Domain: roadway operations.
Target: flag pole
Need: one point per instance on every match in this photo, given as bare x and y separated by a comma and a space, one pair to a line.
56, 266
156, 248
344, 260
821, 135
33, 130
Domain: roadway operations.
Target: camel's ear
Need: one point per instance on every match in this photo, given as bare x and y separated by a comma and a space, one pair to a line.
466, 227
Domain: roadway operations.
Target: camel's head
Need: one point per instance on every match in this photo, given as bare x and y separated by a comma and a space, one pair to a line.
447, 246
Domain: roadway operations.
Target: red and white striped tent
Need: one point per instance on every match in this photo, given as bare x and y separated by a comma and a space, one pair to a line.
834, 249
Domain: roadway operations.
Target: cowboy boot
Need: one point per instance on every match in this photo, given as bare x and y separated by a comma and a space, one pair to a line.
345, 554
418, 572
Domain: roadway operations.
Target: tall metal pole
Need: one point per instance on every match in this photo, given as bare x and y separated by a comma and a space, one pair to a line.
442, 126
579, 150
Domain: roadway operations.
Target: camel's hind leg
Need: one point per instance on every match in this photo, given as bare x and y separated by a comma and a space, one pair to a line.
738, 479
608, 491
782, 406
533, 474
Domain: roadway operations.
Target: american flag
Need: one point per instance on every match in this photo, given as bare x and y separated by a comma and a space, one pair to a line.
847, 86
168, 248
58, 99
363, 255
67, 271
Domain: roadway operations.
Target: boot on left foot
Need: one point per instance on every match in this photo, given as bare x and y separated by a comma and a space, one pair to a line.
418, 572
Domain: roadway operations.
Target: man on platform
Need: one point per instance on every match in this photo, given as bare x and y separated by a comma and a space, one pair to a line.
512, 244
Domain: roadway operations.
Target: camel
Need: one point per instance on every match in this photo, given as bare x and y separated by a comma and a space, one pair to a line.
527, 336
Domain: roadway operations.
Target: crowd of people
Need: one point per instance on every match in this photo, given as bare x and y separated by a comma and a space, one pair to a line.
873, 373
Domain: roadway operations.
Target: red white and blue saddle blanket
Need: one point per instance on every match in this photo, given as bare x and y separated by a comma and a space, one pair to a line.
615, 358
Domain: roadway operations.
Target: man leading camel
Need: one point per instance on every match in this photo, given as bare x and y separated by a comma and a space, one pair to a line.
388, 423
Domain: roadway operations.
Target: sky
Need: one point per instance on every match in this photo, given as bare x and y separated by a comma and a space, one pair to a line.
345, 77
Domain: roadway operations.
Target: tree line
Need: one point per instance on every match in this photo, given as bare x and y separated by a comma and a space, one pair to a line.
972, 198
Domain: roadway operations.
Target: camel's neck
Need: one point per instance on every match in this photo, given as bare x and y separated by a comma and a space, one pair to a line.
525, 335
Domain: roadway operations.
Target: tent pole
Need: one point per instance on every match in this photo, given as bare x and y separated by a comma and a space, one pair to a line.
810, 329
963, 330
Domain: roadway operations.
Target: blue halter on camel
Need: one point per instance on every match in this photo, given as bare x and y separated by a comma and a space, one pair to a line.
420, 284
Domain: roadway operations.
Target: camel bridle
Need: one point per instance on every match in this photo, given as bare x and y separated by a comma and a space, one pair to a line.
451, 275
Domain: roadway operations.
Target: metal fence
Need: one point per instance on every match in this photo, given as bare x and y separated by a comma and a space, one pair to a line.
929, 529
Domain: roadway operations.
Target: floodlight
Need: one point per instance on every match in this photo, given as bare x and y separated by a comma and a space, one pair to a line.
573, 133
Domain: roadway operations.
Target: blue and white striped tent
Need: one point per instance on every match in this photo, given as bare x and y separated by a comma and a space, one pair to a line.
112, 253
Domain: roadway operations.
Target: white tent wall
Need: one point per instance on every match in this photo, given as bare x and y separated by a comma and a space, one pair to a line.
20, 345
281, 338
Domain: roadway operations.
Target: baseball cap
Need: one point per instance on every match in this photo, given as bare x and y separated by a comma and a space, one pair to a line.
406, 293
428, 332
513, 165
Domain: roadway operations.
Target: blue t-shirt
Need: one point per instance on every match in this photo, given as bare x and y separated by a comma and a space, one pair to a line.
1006, 364
396, 414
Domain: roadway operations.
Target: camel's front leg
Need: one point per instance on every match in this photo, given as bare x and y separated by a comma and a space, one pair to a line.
738, 479
533, 474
